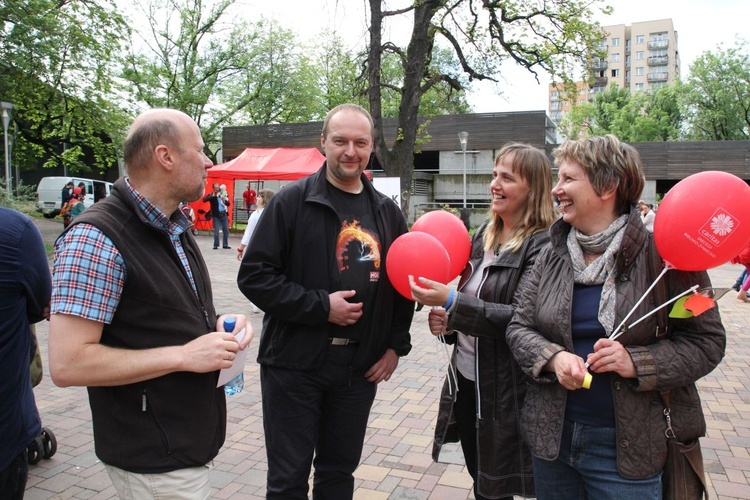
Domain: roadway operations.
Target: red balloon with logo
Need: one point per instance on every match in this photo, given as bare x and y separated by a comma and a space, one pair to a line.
419, 255
703, 221
451, 232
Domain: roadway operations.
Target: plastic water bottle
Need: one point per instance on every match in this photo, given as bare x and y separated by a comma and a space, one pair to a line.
237, 383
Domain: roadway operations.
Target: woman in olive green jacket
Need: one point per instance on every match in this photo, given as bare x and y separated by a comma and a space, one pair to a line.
608, 441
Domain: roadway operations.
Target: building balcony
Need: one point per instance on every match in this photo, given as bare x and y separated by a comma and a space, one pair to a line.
658, 61
657, 77
658, 44
599, 65
600, 81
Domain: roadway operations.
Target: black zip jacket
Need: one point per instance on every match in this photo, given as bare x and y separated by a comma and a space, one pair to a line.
286, 272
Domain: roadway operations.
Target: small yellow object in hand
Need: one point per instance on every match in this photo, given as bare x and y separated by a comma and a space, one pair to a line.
587, 381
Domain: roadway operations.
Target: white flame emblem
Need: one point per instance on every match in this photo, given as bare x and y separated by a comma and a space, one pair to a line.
722, 224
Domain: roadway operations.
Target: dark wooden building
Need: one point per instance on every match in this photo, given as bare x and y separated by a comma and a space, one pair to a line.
664, 162
487, 131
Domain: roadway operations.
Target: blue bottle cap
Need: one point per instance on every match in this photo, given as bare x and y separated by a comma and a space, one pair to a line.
229, 324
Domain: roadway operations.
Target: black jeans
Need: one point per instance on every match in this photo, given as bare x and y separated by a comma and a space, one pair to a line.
13, 478
322, 411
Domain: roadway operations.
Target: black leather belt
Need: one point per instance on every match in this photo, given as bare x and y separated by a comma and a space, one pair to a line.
341, 341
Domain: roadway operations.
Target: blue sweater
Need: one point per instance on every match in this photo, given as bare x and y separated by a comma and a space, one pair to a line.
594, 406
25, 288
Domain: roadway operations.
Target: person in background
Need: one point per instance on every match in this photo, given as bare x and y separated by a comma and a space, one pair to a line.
25, 289
740, 280
607, 442
82, 186
744, 258
647, 215
263, 197
77, 207
504, 249
67, 193
189, 214
133, 319
75, 203
249, 197
334, 326
219, 214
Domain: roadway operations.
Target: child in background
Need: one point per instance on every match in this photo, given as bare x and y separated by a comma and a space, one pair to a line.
190, 215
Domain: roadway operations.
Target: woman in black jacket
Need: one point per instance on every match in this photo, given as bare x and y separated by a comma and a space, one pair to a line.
483, 412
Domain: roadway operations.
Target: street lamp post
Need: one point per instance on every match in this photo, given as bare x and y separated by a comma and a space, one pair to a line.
463, 138
10, 152
7, 107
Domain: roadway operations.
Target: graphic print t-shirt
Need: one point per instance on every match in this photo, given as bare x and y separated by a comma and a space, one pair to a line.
358, 253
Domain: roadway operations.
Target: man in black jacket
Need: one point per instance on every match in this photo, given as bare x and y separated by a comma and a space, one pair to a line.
133, 319
67, 193
219, 214
334, 326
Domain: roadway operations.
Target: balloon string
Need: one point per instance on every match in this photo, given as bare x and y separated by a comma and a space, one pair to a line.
450, 371
437, 368
616, 332
693, 289
621, 329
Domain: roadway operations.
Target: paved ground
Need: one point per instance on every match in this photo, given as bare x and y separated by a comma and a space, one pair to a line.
396, 462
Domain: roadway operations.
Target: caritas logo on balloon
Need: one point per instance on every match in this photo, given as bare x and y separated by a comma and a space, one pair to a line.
703, 221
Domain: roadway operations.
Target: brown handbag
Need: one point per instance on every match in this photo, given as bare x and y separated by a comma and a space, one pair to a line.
683, 477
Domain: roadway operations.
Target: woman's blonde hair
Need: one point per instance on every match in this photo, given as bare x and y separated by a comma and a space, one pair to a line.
266, 194
535, 168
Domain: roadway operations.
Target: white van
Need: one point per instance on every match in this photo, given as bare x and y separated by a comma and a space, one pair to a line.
49, 193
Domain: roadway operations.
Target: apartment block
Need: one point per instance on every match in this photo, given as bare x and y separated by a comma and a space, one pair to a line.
640, 57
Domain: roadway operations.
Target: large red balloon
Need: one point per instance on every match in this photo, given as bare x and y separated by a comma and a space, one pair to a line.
451, 232
419, 255
703, 221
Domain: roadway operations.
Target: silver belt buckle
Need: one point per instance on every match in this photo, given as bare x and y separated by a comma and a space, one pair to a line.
338, 341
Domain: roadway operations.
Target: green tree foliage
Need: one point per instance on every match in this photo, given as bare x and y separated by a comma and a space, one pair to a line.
205, 61
552, 36
716, 95
58, 62
197, 57
639, 117
337, 74
342, 80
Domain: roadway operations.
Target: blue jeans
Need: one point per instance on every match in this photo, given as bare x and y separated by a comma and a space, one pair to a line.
586, 468
322, 411
223, 224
